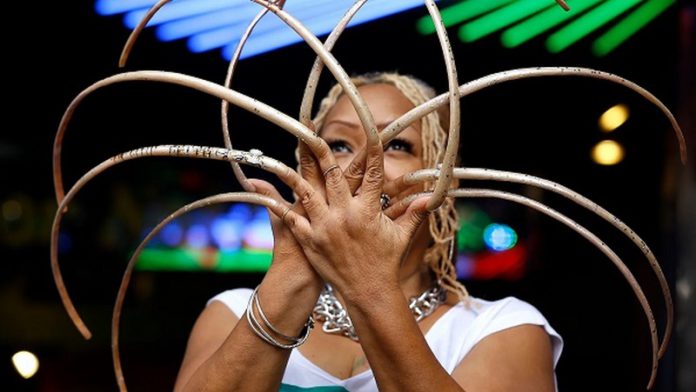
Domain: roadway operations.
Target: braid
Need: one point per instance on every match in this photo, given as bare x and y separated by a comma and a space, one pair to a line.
444, 221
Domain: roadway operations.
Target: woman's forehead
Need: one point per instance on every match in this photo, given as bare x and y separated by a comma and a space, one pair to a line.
385, 101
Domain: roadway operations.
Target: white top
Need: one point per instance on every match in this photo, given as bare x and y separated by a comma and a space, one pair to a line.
450, 338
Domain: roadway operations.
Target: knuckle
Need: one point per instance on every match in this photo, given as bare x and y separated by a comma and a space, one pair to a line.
321, 242
290, 220
307, 161
334, 175
355, 170
293, 181
322, 150
417, 217
374, 173
307, 197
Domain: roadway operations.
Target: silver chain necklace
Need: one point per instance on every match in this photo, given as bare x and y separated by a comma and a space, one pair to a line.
336, 319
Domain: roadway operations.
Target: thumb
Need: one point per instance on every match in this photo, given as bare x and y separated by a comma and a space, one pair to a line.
414, 215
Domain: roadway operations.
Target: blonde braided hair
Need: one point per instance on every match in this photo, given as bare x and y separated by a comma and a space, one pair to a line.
444, 221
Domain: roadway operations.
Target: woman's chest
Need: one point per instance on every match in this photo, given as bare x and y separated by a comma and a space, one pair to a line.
336, 355
341, 357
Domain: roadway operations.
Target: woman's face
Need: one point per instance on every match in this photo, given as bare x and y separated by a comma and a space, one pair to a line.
345, 135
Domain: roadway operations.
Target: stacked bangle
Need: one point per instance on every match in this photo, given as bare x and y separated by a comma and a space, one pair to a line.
265, 335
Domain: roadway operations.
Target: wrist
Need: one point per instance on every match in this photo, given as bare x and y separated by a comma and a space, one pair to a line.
296, 277
372, 295
265, 330
366, 282
287, 299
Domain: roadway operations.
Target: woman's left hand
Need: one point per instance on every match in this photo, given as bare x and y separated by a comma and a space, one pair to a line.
347, 238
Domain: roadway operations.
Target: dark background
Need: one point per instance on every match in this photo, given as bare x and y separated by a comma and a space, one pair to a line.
545, 127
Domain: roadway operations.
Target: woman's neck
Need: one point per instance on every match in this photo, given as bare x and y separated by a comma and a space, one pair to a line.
415, 275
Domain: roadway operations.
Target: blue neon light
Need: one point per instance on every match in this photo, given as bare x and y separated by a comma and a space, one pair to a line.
197, 236
230, 34
172, 234
183, 28
227, 233
499, 237
284, 36
112, 7
239, 16
211, 24
179, 10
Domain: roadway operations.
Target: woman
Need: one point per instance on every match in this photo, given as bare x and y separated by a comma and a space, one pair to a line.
375, 259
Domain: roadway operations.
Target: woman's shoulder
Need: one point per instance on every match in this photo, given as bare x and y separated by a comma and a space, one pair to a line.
494, 316
501, 313
504, 307
236, 300
469, 322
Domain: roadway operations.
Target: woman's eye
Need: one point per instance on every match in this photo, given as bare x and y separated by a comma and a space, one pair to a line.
400, 145
339, 146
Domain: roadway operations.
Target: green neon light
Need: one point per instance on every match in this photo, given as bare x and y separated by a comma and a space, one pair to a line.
459, 13
471, 224
629, 26
245, 260
498, 19
542, 22
587, 23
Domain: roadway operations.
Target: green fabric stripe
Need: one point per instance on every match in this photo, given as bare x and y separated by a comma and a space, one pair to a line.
292, 388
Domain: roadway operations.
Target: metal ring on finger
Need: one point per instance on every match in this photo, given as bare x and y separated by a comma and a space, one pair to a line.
282, 218
332, 167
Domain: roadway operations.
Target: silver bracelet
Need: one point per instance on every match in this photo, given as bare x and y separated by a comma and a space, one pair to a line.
257, 303
265, 335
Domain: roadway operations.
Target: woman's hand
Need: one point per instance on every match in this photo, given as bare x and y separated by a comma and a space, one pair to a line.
288, 257
289, 260
347, 238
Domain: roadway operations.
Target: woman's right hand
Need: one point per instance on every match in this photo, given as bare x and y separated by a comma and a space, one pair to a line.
287, 295
221, 340
289, 260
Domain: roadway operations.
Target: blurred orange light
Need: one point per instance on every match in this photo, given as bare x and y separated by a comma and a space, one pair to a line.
613, 118
26, 363
607, 152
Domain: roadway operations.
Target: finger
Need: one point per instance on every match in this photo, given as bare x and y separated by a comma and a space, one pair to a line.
397, 209
313, 201
298, 225
414, 215
282, 209
355, 171
267, 189
414, 189
398, 186
337, 191
309, 167
398, 205
371, 187
397, 191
